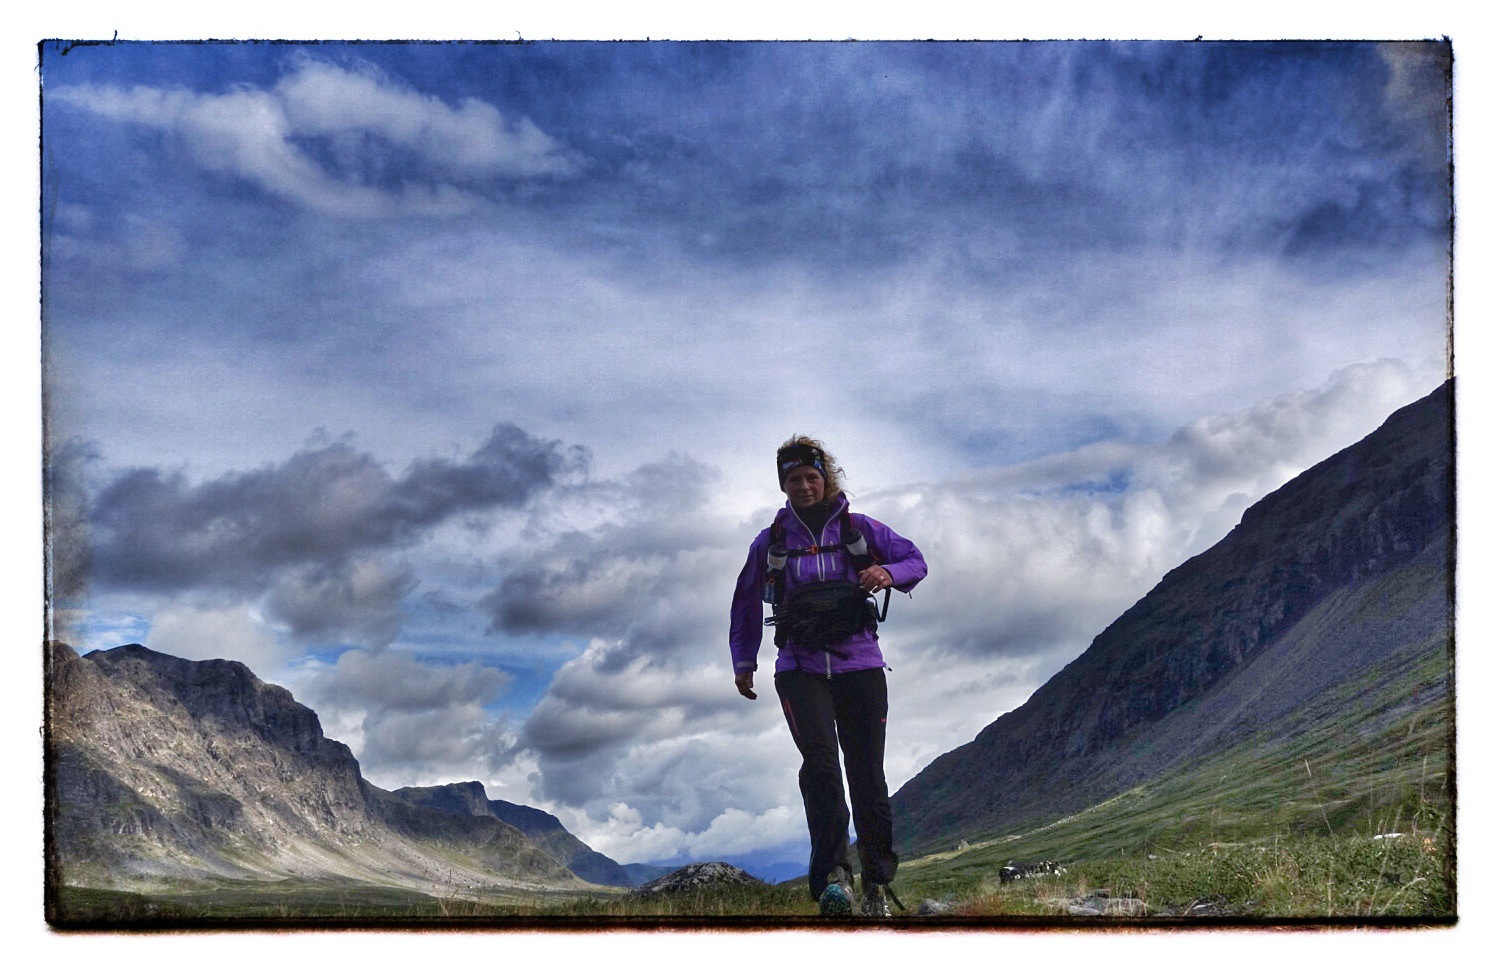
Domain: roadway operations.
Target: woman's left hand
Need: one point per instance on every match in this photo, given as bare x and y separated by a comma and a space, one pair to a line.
874, 578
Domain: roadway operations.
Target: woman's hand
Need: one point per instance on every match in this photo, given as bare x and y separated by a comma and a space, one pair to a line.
745, 682
875, 578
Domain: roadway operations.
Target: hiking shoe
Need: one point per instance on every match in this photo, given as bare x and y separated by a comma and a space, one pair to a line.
837, 899
875, 904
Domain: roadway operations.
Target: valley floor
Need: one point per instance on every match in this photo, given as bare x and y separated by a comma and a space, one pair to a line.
1392, 879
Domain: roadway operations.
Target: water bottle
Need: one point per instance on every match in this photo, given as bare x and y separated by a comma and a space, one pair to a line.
857, 547
776, 564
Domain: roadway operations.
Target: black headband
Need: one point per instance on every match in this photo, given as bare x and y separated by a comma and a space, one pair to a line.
788, 458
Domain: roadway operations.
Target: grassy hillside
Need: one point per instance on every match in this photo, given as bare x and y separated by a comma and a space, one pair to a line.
1300, 809
1340, 578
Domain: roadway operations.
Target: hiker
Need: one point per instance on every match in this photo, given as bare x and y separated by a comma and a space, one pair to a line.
822, 567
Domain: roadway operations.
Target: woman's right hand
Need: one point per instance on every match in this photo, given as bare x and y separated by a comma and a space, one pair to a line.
745, 682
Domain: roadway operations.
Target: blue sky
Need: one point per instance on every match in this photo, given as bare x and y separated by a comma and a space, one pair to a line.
439, 382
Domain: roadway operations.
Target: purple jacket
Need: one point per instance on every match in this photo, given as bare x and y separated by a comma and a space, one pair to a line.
898, 556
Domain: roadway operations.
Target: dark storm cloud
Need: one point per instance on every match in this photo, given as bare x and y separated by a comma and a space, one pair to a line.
156, 531
621, 575
357, 597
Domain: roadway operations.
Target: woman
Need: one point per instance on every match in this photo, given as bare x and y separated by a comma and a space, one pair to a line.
829, 673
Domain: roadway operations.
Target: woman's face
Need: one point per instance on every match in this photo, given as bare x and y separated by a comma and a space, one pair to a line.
805, 486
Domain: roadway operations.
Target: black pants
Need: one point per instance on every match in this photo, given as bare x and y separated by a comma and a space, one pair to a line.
848, 709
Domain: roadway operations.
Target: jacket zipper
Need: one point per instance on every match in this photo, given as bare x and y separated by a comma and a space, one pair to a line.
817, 540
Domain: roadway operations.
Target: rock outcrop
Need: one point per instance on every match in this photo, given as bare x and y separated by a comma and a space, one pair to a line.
697, 877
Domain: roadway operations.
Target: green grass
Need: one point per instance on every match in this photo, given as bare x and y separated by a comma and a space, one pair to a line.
1282, 826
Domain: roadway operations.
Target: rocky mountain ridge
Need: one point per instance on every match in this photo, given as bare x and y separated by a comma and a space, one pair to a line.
162, 769
541, 828
1345, 571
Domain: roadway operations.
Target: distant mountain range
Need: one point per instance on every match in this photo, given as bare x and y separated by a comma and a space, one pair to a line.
541, 828
168, 770
1342, 576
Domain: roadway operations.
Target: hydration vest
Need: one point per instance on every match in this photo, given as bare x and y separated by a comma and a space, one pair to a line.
820, 614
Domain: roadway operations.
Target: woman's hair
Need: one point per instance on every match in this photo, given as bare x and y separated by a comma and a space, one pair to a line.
833, 475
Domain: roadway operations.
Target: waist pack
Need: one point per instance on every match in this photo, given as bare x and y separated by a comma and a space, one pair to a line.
825, 613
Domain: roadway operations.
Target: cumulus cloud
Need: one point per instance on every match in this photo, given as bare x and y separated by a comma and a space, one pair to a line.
356, 598
235, 630
626, 837
323, 99
655, 535
155, 530
433, 153
318, 542
410, 722
1035, 556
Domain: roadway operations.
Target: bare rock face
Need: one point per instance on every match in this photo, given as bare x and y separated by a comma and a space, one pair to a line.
697, 876
164, 769
157, 760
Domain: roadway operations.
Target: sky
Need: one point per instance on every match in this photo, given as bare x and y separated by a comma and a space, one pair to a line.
440, 383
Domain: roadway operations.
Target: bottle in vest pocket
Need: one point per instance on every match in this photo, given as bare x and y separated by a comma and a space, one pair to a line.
857, 548
776, 569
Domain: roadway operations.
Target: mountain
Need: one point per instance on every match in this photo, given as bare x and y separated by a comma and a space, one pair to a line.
1338, 584
163, 770
542, 828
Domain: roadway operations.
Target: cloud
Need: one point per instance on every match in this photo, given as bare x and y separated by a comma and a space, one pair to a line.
155, 531
65, 470
345, 142
322, 99
1417, 91
410, 722
656, 532
224, 631
625, 837
318, 543
1036, 556
358, 599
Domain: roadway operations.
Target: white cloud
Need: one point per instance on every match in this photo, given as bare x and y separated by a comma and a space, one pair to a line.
410, 722
323, 99
624, 835
235, 631
736, 831
259, 135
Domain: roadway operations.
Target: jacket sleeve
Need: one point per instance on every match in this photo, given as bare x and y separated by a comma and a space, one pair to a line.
746, 622
899, 556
